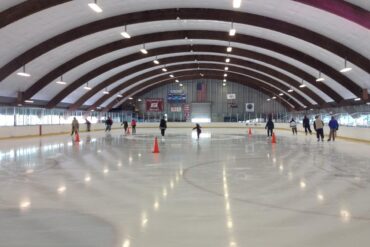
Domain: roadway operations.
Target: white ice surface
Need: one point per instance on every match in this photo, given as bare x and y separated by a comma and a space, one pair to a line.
227, 189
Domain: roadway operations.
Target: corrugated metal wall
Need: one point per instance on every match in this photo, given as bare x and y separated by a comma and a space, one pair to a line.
216, 94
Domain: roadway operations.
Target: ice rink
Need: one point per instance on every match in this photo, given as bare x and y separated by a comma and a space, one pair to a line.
225, 190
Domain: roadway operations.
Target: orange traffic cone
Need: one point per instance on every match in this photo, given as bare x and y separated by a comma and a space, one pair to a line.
156, 148
128, 131
273, 140
77, 137
250, 131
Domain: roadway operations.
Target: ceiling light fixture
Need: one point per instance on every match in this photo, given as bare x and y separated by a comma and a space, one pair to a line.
181, 85
87, 86
268, 99
106, 91
177, 81
232, 30
61, 81
143, 50
227, 60
281, 94
225, 75
125, 34
357, 99
237, 4
139, 100
164, 69
290, 90
229, 48
119, 95
28, 101
172, 76
226, 68
130, 98
224, 80
224, 84
94, 6
156, 60
23, 73
346, 68
302, 85
320, 78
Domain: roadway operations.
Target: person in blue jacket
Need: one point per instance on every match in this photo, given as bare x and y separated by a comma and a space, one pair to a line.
333, 125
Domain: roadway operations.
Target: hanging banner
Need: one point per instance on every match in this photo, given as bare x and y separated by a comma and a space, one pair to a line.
176, 96
175, 108
154, 105
186, 110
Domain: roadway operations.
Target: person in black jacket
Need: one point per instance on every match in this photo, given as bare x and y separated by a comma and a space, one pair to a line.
269, 126
306, 125
199, 130
163, 126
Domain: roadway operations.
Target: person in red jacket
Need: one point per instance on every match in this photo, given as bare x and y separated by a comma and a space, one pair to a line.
133, 126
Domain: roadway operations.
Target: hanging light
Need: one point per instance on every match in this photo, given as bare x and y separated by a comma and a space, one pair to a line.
302, 85
345, 69
125, 34
164, 69
281, 94
156, 60
224, 80
232, 30
226, 68
94, 6
172, 76
106, 91
28, 101
61, 81
268, 99
274, 97
23, 73
224, 84
237, 4
227, 60
130, 98
177, 81
139, 100
181, 85
290, 90
225, 75
119, 95
320, 78
143, 50
87, 86
229, 48
357, 99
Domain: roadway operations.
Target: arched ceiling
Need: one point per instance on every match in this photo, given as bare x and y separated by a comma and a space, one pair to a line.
278, 45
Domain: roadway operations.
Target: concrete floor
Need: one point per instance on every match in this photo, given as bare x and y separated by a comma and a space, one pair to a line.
225, 190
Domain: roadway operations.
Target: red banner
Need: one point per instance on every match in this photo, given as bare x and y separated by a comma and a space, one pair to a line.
154, 105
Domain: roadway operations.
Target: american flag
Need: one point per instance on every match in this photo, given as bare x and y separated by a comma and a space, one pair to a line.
201, 92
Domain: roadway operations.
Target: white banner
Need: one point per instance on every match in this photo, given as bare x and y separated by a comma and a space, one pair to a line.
175, 108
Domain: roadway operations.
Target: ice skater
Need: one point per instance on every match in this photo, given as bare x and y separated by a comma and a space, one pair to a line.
133, 126
270, 127
163, 126
88, 125
318, 125
75, 126
125, 126
333, 125
293, 125
108, 123
199, 130
306, 125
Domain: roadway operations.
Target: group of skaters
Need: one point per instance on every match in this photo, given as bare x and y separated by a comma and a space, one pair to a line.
318, 125
163, 127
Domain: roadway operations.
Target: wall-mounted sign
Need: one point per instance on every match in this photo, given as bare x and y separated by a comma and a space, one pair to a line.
231, 96
176, 96
154, 105
175, 108
249, 107
186, 108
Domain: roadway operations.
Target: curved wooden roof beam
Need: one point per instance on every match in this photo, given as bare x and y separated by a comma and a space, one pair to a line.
203, 59
25, 9
198, 48
175, 69
189, 75
187, 13
343, 9
245, 39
